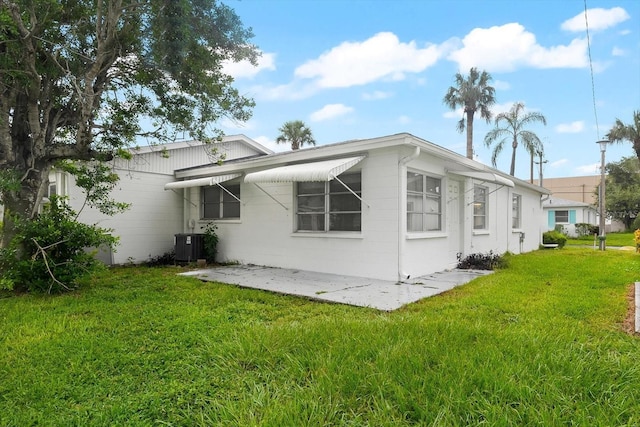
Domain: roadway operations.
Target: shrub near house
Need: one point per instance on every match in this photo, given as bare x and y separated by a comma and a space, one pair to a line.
554, 237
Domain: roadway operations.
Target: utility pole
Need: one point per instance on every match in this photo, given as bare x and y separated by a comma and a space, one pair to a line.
541, 162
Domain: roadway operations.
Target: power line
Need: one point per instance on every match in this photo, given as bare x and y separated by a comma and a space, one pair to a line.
593, 86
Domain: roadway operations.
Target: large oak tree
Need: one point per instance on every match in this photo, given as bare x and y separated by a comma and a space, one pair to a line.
78, 77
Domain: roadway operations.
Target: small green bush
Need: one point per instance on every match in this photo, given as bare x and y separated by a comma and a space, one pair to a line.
50, 252
167, 258
211, 241
634, 226
488, 261
554, 237
584, 229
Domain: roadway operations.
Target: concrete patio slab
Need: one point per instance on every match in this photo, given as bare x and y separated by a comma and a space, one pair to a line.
358, 291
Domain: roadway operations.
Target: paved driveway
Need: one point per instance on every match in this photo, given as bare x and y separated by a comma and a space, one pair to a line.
358, 291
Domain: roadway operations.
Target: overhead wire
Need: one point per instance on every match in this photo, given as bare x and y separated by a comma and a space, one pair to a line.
593, 86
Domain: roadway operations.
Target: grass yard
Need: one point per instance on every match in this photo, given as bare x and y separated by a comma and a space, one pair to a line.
540, 343
613, 239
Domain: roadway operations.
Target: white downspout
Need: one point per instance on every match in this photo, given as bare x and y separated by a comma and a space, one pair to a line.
402, 205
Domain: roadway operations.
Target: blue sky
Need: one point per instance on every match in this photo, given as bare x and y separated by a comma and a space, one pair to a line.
368, 68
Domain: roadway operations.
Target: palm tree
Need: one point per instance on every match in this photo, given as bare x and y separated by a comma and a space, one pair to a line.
513, 130
296, 133
472, 94
621, 132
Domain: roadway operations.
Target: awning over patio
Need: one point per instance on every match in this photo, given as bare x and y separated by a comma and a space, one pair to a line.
199, 182
325, 170
485, 176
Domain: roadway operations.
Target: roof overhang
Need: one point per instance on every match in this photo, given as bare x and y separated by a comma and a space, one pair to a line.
485, 176
325, 170
200, 182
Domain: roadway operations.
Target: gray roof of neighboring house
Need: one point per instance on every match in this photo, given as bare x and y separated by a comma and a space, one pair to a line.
553, 202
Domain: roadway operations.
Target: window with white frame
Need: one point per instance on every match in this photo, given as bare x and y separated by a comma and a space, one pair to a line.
220, 204
479, 208
329, 206
516, 211
562, 217
424, 202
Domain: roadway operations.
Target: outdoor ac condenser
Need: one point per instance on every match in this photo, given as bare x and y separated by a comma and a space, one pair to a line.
189, 247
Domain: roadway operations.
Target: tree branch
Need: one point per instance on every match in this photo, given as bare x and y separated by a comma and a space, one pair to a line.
43, 251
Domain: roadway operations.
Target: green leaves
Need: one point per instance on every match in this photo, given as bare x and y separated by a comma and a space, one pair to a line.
622, 192
97, 180
49, 253
297, 133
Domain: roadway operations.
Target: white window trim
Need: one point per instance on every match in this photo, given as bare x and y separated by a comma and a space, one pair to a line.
224, 190
485, 229
327, 213
424, 234
519, 196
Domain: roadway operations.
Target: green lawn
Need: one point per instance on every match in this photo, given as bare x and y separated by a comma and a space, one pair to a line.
613, 239
539, 343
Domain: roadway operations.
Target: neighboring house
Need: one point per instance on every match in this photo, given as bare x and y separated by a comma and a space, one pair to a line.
147, 228
580, 189
390, 208
568, 213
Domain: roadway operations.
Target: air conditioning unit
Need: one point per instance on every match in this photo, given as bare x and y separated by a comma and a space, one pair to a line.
189, 247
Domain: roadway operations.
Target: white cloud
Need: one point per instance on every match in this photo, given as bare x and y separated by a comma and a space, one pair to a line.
591, 169
559, 163
271, 144
235, 125
378, 94
503, 108
404, 120
330, 111
507, 47
456, 114
244, 69
501, 85
617, 51
290, 91
382, 56
599, 19
573, 127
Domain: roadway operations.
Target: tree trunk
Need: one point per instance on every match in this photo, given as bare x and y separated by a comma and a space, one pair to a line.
512, 172
531, 180
23, 204
470, 134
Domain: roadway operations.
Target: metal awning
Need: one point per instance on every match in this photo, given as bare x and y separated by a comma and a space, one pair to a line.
325, 170
199, 182
485, 176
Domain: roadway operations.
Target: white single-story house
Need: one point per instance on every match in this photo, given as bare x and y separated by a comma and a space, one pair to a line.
568, 213
389, 208
147, 229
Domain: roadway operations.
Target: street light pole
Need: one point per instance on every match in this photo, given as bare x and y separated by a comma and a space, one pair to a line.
603, 233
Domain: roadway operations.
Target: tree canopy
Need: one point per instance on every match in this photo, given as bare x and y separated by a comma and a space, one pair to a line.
296, 133
473, 93
622, 198
78, 77
511, 127
623, 132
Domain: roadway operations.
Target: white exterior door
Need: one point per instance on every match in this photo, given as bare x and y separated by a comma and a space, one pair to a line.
454, 215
